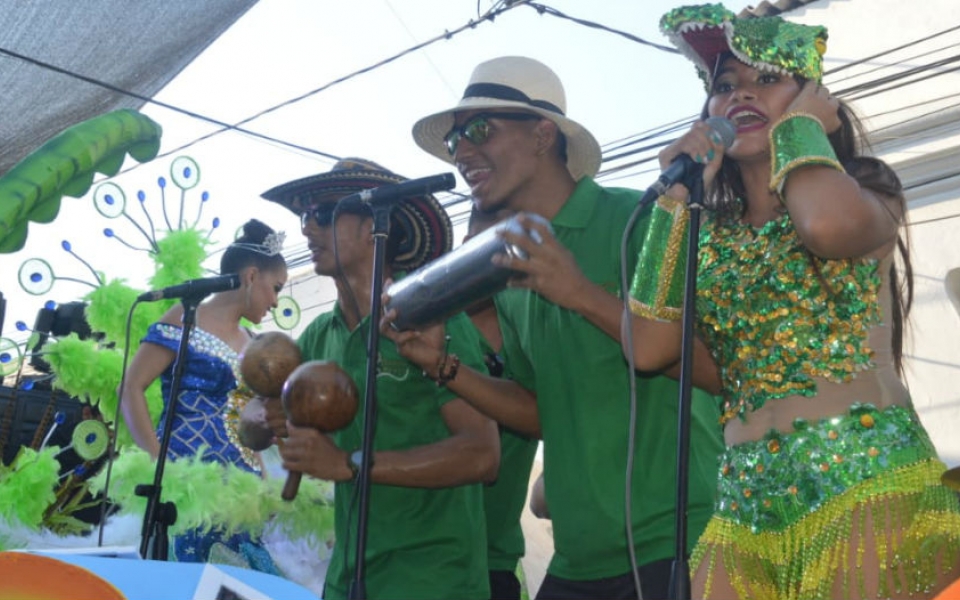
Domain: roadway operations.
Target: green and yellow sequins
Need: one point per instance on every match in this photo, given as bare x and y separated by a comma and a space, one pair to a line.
774, 482
791, 511
656, 291
703, 33
798, 140
776, 317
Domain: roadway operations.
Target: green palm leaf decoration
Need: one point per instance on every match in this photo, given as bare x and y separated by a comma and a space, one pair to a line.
66, 165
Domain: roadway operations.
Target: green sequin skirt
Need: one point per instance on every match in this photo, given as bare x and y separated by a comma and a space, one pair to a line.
791, 510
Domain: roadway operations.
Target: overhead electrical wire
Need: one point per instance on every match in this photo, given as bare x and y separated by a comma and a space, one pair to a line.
916, 105
540, 8
889, 51
882, 66
627, 147
109, 86
490, 15
496, 10
874, 87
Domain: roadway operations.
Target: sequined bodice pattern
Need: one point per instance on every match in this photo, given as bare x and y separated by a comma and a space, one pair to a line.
207, 402
775, 317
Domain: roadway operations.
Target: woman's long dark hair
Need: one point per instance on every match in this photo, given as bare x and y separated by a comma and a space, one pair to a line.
727, 198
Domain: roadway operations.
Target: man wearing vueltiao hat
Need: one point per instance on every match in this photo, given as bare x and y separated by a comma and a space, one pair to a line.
426, 531
512, 142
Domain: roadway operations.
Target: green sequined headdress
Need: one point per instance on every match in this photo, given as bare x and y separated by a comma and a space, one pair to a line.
702, 33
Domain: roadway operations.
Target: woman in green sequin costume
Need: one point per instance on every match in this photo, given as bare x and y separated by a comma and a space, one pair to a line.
830, 486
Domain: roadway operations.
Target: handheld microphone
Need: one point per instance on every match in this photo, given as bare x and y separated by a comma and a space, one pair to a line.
195, 288
683, 168
386, 194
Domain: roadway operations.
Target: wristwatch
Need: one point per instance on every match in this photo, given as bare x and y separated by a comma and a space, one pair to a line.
354, 460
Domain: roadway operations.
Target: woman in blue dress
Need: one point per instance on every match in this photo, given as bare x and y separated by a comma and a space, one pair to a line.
209, 398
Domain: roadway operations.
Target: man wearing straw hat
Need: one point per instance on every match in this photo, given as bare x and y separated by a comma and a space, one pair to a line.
426, 533
513, 144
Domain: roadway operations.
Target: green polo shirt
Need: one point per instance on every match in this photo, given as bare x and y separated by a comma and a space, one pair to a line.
582, 384
504, 500
421, 543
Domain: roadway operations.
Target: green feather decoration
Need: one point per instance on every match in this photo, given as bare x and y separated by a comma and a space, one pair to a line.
107, 312
83, 369
27, 486
209, 494
180, 256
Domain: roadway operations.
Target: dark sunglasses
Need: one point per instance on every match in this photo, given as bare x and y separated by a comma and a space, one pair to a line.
477, 128
322, 214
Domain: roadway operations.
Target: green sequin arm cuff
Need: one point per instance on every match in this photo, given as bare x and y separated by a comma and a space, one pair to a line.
798, 140
656, 291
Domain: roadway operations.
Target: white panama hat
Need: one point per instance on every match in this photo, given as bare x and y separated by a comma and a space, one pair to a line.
515, 82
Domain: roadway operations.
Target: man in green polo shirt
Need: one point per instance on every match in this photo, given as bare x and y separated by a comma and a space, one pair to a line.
426, 535
514, 146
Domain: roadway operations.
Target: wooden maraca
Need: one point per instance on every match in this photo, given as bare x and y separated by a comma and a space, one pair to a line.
321, 395
266, 362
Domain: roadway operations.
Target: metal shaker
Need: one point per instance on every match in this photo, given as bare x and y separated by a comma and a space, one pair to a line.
458, 279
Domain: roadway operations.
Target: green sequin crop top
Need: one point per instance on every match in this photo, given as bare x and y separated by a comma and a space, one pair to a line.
775, 317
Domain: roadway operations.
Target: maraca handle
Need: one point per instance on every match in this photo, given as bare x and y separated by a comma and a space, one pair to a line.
291, 486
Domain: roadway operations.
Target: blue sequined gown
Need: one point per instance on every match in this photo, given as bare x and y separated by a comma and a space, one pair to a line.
210, 374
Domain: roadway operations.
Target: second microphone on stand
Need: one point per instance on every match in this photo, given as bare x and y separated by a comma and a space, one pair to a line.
194, 288
394, 192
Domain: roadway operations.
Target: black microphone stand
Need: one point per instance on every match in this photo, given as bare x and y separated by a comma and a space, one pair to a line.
381, 231
154, 541
680, 572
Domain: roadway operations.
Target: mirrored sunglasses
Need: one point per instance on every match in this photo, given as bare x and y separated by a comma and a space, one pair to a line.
477, 128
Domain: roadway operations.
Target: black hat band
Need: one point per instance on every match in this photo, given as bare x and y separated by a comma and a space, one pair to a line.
505, 92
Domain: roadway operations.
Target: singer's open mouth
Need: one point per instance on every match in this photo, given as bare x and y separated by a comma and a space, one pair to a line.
746, 117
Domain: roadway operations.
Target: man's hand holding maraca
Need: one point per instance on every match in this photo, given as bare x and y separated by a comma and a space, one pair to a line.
308, 450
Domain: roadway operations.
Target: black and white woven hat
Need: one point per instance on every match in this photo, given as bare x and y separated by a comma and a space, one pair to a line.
421, 220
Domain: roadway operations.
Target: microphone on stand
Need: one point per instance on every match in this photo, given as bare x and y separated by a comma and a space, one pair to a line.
195, 288
683, 168
387, 194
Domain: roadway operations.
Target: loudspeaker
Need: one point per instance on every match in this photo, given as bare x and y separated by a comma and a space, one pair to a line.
57, 322
26, 416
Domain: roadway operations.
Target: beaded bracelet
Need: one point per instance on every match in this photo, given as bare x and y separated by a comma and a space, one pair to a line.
656, 291
445, 372
797, 140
